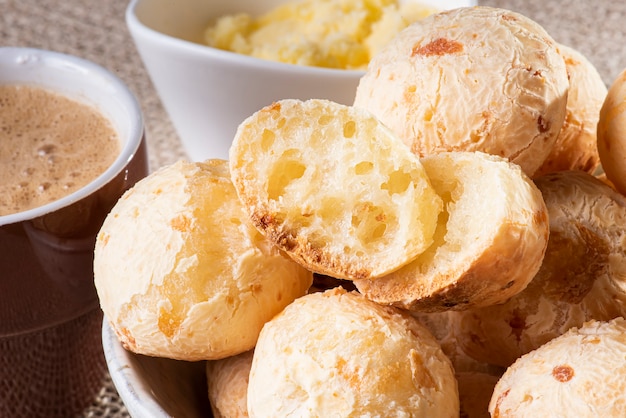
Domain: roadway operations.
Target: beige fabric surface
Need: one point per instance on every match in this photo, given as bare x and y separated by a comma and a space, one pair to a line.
96, 30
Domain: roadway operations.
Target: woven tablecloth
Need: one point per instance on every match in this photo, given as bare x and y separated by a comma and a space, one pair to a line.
96, 30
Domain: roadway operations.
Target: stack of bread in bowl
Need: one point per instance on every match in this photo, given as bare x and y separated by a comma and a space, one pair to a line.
452, 244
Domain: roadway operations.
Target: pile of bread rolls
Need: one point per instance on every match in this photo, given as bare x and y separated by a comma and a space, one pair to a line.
447, 246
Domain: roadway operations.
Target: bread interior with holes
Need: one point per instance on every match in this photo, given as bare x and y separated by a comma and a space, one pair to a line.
489, 243
334, 188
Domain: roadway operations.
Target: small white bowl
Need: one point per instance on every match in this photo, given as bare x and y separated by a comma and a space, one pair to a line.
208, 92
153, 387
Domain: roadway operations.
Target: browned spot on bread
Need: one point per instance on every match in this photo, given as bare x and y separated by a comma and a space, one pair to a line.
168, 322
543, 124
535, 72
256, 288
563, 373
593, 340
439, 46
264, 221
496, 412
509, 17
181, 223
409, 92
272, 228
541, 217
274, 107
421, 375
104, 238
327, 265
350, 376
508, 285
127, 339
571, 61
284, 240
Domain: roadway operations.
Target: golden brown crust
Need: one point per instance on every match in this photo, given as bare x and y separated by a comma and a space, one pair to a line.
489, 243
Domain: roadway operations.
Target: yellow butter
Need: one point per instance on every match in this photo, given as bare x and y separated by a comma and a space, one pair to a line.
324, 33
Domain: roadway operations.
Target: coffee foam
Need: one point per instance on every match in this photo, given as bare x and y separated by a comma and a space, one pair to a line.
50, 146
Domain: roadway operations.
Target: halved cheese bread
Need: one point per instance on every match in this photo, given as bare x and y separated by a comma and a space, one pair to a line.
489, 243
334, 188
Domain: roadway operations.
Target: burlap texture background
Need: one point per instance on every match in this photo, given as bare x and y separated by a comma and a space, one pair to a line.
96, 30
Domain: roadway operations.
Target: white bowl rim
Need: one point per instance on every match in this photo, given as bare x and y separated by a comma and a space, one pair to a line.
139, 28
132, 388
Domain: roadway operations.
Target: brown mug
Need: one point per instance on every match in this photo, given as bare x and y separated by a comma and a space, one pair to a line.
51, 357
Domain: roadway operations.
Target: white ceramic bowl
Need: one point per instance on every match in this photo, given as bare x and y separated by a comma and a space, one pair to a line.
152, 387
208, 92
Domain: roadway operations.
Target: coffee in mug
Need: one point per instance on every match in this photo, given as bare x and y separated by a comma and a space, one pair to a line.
50, 146
51, 357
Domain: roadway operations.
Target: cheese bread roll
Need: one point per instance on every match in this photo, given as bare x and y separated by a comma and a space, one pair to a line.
582, 275
182, 273
339, 354
489, 244
612, 133
471, 79
576, 146
579, 374
227, 381
333, 188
